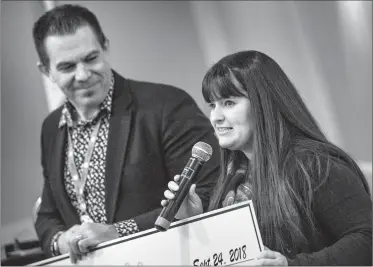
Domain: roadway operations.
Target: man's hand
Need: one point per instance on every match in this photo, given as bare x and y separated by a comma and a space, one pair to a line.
81, 238
64, 239
94, 234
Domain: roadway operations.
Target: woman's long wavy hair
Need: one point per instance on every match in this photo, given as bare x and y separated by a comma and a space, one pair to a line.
291, 155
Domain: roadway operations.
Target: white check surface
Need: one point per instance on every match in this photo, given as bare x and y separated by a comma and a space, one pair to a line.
228, 236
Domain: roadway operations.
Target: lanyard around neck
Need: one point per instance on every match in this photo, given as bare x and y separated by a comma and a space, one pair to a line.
79, 181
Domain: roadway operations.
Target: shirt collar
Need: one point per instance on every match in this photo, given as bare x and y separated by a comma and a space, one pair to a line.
69, 112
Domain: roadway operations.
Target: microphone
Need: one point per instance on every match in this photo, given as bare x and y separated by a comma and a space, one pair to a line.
201, 152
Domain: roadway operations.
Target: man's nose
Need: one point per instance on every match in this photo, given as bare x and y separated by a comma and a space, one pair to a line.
82, 73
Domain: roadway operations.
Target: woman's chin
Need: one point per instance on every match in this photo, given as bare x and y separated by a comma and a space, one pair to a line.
227, 145
230, 145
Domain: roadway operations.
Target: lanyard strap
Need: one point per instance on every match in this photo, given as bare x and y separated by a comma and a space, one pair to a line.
79, 181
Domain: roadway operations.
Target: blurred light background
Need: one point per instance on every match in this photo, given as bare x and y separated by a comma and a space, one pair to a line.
324, 46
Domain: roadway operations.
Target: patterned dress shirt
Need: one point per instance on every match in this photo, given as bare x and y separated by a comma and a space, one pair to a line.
94, 190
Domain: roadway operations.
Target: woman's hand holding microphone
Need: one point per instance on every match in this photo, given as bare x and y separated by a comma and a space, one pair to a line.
192, 204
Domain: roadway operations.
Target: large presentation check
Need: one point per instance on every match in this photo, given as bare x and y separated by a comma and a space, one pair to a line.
228, 236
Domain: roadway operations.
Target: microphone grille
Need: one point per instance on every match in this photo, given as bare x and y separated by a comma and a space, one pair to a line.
202, 151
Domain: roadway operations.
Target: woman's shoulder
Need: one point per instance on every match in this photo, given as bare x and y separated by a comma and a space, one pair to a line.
326, 163
323, 154
309, 156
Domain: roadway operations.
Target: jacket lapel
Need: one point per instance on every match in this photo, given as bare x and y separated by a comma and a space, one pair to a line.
119, 132
57, 179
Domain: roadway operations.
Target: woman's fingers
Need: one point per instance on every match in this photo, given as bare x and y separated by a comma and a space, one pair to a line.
193, 197
164, 202
267, 254
177, 178
173, 186
168, 194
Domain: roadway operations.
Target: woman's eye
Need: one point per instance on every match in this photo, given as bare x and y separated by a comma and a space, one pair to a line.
228, 103
211, 105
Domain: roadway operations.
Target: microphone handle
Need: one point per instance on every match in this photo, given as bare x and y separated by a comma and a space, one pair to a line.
168, 213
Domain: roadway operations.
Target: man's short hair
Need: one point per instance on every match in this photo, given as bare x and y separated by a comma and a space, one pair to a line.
63, 20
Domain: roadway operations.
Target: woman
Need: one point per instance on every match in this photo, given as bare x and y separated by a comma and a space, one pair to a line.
312, 201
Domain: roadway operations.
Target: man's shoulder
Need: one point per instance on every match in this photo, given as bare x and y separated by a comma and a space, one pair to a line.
53, 118
157, 91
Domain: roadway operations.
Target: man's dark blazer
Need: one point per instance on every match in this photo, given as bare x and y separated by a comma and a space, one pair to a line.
153, 128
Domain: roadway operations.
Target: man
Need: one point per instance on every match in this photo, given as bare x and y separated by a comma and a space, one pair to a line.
110, 150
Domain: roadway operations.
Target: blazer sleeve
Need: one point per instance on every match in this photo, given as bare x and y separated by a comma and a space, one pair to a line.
183, 125
343, 208
48, 221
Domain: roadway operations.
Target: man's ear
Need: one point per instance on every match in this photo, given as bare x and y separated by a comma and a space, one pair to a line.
44, 70
106, 45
